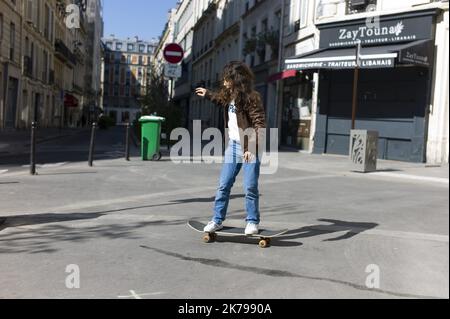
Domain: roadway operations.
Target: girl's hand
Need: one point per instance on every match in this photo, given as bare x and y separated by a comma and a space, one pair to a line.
201, 92
248, 157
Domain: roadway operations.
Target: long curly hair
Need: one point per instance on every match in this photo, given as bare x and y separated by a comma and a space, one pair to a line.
242, 90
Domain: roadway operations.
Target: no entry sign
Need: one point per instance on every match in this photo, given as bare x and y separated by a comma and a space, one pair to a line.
173, 53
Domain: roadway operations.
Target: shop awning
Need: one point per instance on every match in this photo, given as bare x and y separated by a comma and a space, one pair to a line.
70, 100
282, 75
417, 53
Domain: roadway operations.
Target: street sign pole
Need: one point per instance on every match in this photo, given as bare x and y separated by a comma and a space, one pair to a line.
355, 85
173, 54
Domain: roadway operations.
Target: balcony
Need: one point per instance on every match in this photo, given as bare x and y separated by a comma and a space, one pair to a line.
77, 89
63, 53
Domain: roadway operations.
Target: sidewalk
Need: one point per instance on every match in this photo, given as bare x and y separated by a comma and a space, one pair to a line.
385, 168
18, 141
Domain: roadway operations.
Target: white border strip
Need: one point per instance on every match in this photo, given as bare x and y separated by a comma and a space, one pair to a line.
344, 58
173, 53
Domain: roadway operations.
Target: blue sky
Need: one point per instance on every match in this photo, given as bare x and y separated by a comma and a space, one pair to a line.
142, 18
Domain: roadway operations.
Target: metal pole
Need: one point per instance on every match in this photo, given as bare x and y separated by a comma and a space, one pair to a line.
33, 149
91, 147
127, 143
355, 85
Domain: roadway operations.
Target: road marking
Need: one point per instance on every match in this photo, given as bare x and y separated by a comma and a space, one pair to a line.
3, 171
139, 296
413, 177
55, 165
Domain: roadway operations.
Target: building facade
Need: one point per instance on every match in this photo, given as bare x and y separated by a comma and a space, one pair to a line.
127, 69
183, 34
94, 59
307, 83
44, 62
401, 58
260, 35
10, 63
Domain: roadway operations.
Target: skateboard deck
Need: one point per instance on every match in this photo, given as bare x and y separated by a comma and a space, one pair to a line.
264, 235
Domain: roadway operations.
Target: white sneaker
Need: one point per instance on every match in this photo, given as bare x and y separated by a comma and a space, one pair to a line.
251, 229
212, 227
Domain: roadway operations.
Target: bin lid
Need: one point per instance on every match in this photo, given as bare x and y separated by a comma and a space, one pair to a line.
151, 118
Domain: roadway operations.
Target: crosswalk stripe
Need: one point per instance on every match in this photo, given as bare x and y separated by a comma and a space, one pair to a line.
55, 165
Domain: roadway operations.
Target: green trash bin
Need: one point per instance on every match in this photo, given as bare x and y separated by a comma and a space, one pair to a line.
151, 137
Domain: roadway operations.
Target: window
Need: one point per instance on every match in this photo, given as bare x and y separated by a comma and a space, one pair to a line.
12, 41
47, 22
141, 61
357, 6
109, 45
264, 26
142, 48
130, 47
129, 59
1, 27
299, 15
119, 46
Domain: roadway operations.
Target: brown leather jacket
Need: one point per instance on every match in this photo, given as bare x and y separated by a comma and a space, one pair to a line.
248, 116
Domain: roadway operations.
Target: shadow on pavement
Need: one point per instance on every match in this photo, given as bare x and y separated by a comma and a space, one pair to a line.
275, 242
43, 239
36, 219
352, 229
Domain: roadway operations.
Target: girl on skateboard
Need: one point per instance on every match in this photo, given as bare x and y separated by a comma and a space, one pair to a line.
244, 119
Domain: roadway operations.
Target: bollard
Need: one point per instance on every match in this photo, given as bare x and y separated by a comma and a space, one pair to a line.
91, 147
127, 143
33, 149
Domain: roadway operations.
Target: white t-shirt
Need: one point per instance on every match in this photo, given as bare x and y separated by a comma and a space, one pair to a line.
233, 128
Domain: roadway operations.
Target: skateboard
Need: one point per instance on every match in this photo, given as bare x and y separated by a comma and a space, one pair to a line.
264, 235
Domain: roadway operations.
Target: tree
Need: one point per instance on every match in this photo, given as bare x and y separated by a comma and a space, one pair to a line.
156, 102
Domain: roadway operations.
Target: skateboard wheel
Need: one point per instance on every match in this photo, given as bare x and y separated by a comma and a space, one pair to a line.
264, 243
209, 238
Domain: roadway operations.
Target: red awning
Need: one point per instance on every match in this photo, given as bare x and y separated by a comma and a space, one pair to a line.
70, 100
282, 75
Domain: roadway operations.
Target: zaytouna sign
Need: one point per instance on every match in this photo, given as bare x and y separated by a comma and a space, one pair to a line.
389, 29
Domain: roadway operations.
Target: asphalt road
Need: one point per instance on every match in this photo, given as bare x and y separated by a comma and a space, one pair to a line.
109, 144
122, 227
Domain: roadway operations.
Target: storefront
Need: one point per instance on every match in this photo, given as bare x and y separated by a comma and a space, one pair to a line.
394, 86
72, 111
297, 110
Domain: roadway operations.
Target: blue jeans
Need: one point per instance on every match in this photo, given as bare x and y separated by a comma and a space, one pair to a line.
232, 166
